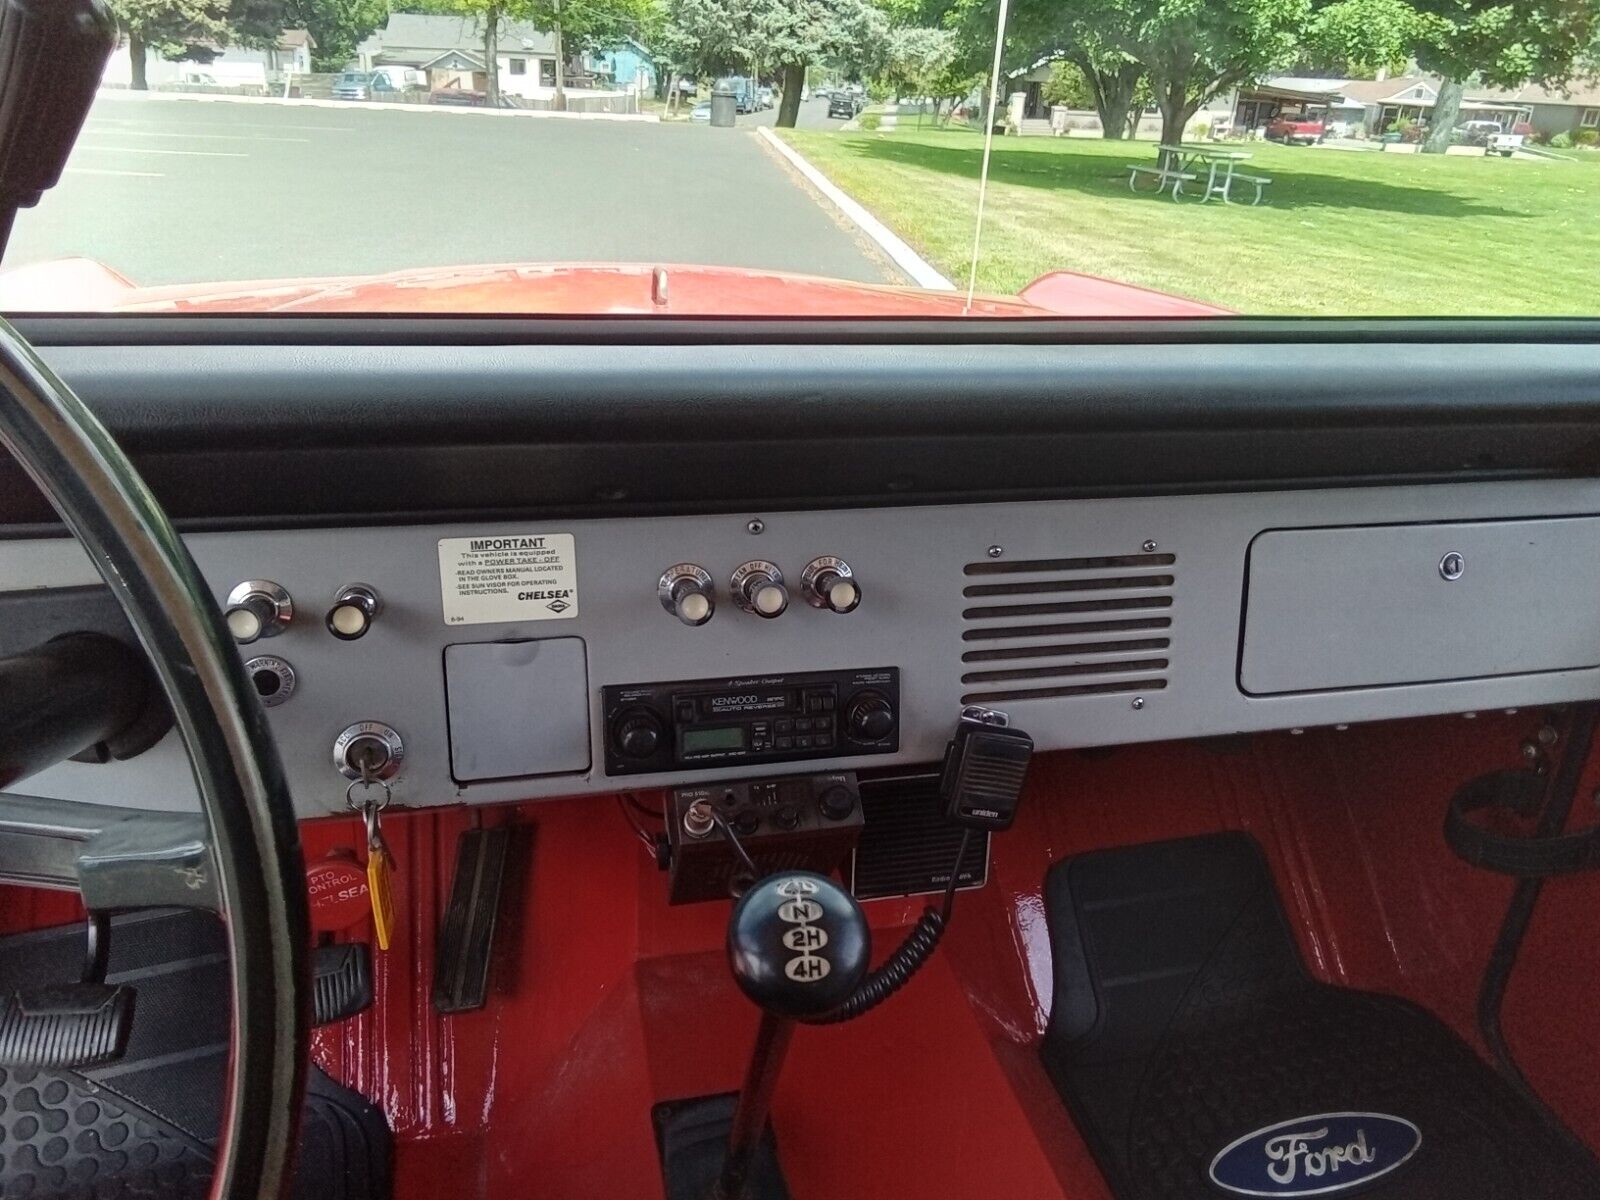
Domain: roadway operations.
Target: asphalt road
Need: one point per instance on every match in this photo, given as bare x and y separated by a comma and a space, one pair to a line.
172, 191
813, 115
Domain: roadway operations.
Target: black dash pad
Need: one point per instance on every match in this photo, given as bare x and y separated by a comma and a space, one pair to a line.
1200, 1060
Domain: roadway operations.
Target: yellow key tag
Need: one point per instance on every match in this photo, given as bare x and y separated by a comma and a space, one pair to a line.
381, 891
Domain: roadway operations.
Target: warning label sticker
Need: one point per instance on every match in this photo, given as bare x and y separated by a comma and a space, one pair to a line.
514, 577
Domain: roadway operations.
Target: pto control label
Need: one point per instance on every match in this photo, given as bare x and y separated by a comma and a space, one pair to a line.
511, 577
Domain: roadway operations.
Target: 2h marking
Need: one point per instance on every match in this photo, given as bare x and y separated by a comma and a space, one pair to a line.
806, 966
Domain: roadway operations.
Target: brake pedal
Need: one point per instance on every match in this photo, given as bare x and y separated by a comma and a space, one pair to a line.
341, 981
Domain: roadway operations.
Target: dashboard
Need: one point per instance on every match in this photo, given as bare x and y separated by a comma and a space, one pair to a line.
512, 660
508, 570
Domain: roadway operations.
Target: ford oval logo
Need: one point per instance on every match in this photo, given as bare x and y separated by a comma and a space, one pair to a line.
1315, 1156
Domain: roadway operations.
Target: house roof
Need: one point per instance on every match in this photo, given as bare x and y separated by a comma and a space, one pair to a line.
408, 33
1424, 89
289, 39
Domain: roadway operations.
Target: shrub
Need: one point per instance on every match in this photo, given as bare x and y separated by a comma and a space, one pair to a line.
1200, 130
1586, 137
1561, 141
870, 121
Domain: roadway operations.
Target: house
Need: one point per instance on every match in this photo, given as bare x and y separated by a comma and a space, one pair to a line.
228, 66
1559, 110
629, 67
449, 51
1255, 106
1548, 110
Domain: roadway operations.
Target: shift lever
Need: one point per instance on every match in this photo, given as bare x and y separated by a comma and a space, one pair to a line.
799, 947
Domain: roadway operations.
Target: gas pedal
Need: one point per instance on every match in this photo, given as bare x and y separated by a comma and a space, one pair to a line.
341, 981
65, 1025
466, 935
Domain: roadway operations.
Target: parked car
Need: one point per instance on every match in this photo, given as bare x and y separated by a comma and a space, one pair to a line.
700, 114
398, 79
1297, 128
841, 104
353, 85
1505, 144
464, 97
765, 96
365, 85
742, 87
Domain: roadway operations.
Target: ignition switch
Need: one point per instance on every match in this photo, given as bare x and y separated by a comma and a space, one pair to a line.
368, 749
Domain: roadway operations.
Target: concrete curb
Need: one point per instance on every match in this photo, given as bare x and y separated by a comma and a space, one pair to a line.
903, 256
126, 96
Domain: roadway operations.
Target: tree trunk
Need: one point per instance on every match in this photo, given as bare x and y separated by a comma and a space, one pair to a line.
491, 55
1172, 98
136, 62
560, 102
1446, 111
794, 79
1113, 93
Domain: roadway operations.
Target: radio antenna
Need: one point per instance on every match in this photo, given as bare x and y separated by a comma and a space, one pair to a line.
988, 144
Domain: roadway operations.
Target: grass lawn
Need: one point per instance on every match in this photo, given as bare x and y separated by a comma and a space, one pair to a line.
1342, 232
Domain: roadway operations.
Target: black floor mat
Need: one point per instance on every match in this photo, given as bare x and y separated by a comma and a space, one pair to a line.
1199, 1059
144, 1126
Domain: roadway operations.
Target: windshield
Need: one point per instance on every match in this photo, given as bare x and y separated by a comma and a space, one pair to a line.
853, 158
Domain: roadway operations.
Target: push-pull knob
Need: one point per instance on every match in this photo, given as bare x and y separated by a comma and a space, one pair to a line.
258, 608
354, 610
829, 583
686, 591
757, 587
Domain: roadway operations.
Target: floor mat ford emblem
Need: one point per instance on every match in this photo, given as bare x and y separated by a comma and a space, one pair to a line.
1315, 1156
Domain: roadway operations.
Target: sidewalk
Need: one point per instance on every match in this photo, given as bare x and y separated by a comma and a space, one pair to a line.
128, 96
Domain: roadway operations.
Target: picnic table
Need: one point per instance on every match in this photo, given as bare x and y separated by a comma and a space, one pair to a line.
1178, 165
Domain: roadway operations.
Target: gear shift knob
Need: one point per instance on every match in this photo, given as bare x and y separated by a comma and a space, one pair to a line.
798, 944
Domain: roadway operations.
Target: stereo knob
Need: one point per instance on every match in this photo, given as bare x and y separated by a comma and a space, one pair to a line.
257, 608
686, 591
757, 587
829, 583
870, 717
639, 733
837, 802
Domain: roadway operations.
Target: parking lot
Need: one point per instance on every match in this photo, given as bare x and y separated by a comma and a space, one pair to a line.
167, 190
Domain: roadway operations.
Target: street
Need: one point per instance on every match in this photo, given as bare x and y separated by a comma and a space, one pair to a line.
173, 191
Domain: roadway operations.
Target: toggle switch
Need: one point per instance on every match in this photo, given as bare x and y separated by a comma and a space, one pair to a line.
354, 610
257, 608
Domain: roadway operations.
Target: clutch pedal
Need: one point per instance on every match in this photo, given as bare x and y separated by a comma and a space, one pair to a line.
83, 1024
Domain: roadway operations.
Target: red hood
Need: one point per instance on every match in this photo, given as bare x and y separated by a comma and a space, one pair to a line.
573, 289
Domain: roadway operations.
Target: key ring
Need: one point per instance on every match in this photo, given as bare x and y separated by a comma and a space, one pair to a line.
374, 807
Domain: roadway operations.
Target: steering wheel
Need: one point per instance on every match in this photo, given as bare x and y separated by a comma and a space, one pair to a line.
253, 843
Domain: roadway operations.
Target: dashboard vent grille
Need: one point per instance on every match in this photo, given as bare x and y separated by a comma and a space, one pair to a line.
1036, 629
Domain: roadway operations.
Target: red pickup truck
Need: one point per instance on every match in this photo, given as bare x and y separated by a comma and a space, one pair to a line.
1296, 129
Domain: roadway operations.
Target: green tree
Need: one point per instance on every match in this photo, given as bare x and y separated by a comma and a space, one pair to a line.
1188, 50
172, 28
1499, 44
1067, 86
915, 59
718, 36
336, 26
851, 35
